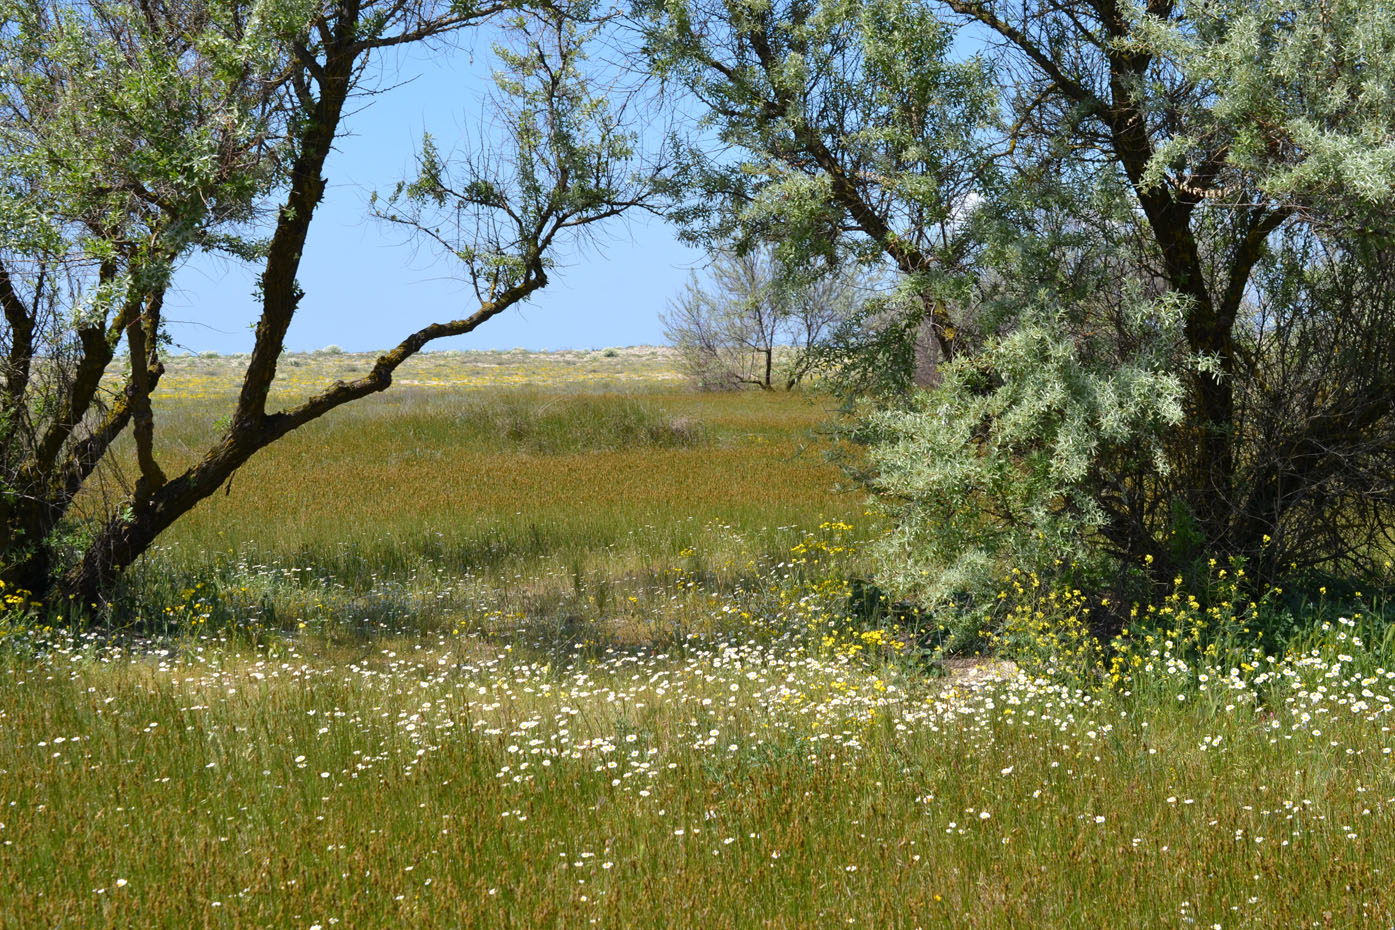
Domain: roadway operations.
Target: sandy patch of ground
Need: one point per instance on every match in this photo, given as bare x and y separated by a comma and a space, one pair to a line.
977, 671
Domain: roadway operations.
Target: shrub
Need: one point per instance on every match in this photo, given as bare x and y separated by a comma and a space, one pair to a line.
1014, 460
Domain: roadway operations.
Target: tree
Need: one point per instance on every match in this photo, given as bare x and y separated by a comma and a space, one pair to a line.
1230, 161
728, 328
130, 137
1245, 133
134, 135
1012, 462
844, 132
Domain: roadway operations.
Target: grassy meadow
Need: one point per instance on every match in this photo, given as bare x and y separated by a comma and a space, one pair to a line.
552, 641
563, 484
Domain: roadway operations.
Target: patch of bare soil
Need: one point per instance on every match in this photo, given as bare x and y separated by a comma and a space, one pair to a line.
978, 671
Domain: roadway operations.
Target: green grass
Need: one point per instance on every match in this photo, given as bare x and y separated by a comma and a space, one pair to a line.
580, 654
574, 493
725, 781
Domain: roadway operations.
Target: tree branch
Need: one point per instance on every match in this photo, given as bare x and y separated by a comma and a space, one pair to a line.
21, 320
1074, 89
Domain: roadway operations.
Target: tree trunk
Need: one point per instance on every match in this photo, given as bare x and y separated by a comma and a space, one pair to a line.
32, 573
156, 503
926, 371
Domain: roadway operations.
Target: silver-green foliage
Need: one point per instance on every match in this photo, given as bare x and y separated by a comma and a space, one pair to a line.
128, 138
1005, 464
1250, 143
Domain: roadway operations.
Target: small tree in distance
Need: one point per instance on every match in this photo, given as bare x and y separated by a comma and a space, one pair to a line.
753, 321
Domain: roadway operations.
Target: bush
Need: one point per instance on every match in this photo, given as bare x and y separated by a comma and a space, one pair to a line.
1011, 462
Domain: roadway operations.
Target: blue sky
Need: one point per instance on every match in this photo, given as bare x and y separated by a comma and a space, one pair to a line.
367, 285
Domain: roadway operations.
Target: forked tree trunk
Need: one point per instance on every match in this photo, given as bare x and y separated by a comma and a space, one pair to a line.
346, 34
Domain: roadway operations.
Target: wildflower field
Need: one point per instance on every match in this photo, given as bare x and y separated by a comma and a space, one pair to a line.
588, 653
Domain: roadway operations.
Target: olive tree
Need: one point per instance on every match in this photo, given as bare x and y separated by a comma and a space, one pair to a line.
135, 134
